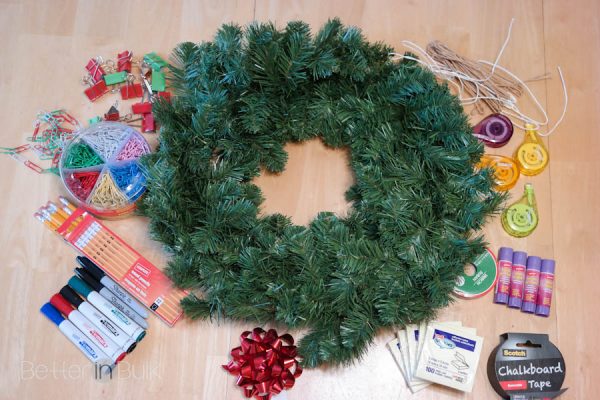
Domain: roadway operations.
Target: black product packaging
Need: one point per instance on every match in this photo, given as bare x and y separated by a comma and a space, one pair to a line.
526, 366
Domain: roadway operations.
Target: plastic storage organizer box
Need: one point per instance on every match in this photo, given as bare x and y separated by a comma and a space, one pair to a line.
100, 168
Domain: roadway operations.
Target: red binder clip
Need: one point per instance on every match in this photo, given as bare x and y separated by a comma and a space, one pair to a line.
96, 91
112, 114
141, 108
124, 61
131, 91
95, 70
148, 124
165, 95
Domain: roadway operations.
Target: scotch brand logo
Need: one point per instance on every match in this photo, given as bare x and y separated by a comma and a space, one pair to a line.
514, 353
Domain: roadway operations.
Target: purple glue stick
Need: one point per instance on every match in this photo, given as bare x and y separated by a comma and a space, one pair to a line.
505, 256
517, 279
544, 297
532, 280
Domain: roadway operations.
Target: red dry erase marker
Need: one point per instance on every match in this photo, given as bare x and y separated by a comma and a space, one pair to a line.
110, 348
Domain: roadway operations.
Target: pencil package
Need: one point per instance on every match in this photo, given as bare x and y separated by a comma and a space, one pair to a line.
138, 276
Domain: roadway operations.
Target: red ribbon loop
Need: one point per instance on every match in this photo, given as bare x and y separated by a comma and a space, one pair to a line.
265, 363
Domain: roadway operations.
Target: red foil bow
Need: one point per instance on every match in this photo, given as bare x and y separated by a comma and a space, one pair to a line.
265, 363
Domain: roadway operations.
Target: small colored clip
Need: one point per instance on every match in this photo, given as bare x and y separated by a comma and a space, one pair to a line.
155, 61
117, 77
148, 124
165, 95
131, 91
112, 114
158, 81
141, 108
124, 61
95, 92
95, 69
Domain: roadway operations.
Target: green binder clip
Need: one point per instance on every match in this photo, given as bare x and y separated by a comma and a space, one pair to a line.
117, 77
158, 81
155, 61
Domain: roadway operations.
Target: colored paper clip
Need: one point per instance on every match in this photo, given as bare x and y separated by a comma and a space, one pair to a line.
141, 108
32, 166
506, 171
95, 92
124, 61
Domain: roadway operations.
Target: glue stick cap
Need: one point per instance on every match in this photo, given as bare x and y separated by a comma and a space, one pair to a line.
519, 258
548, 266
505, 253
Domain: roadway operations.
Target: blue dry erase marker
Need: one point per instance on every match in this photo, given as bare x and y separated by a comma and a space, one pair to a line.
111, 285
89, 349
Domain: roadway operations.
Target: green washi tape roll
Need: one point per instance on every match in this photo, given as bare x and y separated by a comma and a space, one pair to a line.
477, 278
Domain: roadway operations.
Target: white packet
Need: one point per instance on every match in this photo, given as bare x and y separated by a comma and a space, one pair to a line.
450, 357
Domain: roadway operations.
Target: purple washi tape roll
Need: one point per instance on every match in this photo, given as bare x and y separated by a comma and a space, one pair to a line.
495, 130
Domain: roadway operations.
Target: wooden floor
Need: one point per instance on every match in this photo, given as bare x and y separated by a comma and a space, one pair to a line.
44, 47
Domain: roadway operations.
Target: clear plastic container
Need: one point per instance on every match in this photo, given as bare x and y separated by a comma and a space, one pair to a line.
100, 168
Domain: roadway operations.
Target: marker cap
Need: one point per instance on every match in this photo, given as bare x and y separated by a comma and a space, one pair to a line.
61, 304
520, 258
70, 295
80, 286
89, 279
52, 313
505, 253
91, 267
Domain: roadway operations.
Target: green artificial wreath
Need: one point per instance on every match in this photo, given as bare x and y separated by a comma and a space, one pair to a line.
415, 201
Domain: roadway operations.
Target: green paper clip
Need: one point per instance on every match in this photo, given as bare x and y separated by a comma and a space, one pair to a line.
155, 61
158, 81
94, 120
117, 77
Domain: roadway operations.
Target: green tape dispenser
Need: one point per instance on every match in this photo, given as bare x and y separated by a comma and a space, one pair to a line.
521, 218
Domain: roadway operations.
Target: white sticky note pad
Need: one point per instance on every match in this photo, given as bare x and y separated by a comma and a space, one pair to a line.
450, 357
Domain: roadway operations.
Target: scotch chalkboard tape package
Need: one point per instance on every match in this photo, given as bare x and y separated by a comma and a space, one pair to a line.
526, 366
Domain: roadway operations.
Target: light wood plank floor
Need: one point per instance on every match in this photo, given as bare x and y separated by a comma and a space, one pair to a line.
44, 47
